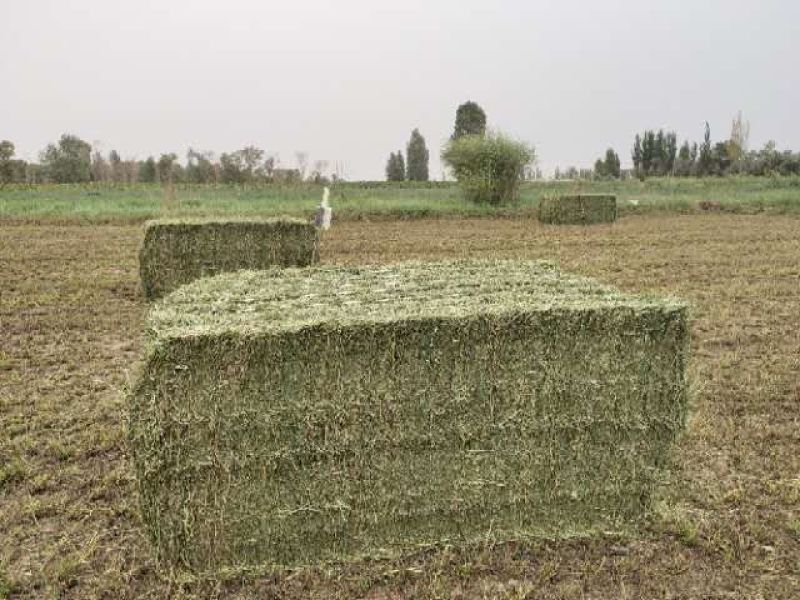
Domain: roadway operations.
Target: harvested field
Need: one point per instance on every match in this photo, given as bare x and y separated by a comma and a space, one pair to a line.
71, 318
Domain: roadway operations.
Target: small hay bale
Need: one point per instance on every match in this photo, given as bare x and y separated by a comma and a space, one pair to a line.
582, 209
291, 417
176, 252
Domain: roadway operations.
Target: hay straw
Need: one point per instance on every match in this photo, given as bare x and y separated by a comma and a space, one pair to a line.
584, 209
175, 252
288, 417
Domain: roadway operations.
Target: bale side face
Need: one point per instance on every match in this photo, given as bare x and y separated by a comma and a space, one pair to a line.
586, 209
330, 441
174, 253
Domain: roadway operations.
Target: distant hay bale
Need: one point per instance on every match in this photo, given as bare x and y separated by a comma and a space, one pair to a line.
582, 209
175, 252
288, 417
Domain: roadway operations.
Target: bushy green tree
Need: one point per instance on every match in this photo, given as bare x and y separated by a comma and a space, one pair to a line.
654, 153
417, 157
684, 165
251, 158
720, 159
6, 161
200, 167
68, 161
612, 164
167, 167
148, 172
395, 167
488, 167
599, 169
7, 150
231, 167
470, 120
608, 167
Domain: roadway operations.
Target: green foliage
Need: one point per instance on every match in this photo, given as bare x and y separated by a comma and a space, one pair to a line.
705, 157
685, 162
148, 171
636, 155
246, 166
395, 167
470, 120
69, 161
654, 153
293, 416
488, 168
11, 171
7, 586
608, 168
175, 252
585, 209
417, 158
200, 167
6, 150
167, 167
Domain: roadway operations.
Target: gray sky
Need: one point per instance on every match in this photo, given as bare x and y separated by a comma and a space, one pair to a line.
347, 80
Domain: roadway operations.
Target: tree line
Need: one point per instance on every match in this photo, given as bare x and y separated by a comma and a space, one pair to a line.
657, 154
72, 160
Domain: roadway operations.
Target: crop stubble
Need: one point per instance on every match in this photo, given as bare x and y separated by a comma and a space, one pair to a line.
71, 317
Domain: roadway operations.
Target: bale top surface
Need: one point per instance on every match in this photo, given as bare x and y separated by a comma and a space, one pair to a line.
221, 220
254, 302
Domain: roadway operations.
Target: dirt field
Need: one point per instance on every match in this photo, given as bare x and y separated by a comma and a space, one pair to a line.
728, 526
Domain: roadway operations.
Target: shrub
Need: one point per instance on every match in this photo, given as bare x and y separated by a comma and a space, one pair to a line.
488, 168
293, 416
175, 252
583, 209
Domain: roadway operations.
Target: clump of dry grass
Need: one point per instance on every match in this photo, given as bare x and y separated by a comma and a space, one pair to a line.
302, 415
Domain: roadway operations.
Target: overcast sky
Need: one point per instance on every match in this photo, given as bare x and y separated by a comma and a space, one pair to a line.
347, 80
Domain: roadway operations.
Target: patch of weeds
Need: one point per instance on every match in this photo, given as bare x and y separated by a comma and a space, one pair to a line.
7, 585
794, 527
12, 472
60, 451
67, 569
5, 362
677, 522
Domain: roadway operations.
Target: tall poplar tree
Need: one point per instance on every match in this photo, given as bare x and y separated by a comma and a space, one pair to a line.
417, 158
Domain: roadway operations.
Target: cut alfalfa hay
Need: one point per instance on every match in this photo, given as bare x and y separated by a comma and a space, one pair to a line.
583, 209
175, 252
288, 417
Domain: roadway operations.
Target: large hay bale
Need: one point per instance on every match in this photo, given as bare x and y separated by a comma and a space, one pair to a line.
175, 252
582, 209
301, 415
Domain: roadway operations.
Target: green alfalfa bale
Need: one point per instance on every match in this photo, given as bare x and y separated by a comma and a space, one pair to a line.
289, 417
177, 251
581, 209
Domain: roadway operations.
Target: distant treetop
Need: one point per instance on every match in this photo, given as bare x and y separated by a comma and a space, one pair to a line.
470, 120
